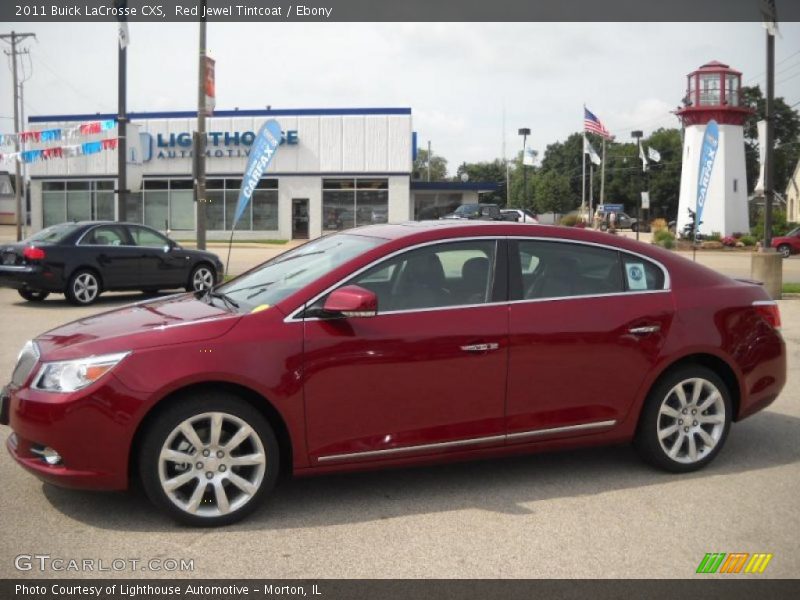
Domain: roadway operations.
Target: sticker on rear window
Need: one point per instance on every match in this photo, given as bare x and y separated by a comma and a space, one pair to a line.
636, 278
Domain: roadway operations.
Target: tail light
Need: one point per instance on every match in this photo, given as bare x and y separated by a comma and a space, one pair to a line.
768, 309
33, 253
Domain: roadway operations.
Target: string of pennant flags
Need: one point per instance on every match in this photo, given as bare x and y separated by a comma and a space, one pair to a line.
57, 134
84, 149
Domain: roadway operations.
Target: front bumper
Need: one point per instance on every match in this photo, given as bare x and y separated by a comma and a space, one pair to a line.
92, 430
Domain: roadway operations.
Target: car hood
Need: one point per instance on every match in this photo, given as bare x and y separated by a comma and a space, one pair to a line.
171, 320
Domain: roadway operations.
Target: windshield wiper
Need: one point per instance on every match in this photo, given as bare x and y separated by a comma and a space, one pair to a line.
212, 292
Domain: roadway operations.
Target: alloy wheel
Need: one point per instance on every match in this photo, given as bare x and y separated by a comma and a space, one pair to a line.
202, 279
785, 250
212, 464
691, 420
85, 288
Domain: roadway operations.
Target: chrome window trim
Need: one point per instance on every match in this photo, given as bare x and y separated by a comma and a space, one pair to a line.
469, 442
294, 318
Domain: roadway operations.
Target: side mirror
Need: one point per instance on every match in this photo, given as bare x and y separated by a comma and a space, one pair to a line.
352, 301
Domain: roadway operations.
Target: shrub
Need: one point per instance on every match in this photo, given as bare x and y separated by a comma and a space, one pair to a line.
658, 225
569, 220
729, 241
737, 235
748, 240
714, 236
664, 238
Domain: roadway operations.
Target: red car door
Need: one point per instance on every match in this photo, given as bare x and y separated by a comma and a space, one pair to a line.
587, 328
426, 374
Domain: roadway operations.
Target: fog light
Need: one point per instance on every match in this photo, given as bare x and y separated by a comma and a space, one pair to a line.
47, 454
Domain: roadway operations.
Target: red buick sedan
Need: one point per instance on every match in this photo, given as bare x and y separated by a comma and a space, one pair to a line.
396, 345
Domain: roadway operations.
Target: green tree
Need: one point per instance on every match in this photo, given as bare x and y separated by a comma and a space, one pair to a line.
493, 171
664, 177
552, 193
787, 138
438, 165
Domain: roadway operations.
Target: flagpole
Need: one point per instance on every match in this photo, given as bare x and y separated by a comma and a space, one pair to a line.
583, 163
603, 174
591, 185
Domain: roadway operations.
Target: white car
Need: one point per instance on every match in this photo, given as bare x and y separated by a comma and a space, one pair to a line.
523, 215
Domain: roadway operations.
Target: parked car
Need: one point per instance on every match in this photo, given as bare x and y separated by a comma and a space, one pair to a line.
788, 244
394, 345
477, 212
520, 215
621, 221
82, 260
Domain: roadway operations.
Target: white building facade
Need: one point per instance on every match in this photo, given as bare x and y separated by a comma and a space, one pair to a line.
335, 169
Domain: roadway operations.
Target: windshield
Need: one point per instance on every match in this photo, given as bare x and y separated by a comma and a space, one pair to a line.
468, 209
56, 233
795, 231
280, 277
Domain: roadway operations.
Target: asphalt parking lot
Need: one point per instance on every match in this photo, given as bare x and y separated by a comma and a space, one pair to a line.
589, 513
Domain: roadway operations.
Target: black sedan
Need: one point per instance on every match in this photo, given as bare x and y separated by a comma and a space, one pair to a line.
81, 260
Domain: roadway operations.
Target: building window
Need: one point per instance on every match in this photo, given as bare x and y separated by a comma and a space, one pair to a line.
77, 201
354, 202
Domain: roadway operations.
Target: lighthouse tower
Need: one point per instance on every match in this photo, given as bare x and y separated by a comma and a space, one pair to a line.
713, 93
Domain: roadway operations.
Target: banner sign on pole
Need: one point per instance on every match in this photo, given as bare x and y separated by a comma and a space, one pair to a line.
708, 153
261, 153
646, 200
210, 86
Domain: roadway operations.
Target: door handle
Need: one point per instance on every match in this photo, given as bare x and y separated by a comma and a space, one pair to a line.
480, 347
644, 329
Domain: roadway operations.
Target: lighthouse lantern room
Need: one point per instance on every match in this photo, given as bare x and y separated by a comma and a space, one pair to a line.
713, 92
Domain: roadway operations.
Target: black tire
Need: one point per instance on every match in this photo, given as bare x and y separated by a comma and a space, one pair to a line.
207, 513
191, 285
33, 295
785, 250
647, 441
83, 288
634, 227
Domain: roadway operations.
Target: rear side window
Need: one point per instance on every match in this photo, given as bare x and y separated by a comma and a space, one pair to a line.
560, 269
107, 235
641, 274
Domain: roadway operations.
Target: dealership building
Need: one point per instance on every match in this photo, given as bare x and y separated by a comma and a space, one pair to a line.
334, 169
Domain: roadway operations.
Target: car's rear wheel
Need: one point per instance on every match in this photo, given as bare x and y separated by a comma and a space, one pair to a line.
202, 278
209, 461
33, 295
785, 250
685, 420
83, 287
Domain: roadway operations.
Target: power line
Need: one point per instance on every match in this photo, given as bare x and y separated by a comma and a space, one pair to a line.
780, 62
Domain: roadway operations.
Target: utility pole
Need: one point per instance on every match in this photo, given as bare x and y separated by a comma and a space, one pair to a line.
769, 193
638, 136
200, 141
524, 132
122, 118
15, 39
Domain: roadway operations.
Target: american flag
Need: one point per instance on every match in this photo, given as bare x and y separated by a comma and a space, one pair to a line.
593, 125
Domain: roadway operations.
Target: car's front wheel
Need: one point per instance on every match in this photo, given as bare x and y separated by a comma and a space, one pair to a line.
83, 287
785, 250
685, 420
33, 295
209, 460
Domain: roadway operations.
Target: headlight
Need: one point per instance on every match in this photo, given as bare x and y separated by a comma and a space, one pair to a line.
73, 375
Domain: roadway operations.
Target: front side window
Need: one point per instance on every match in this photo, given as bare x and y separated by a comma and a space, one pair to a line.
558, 270
449, 274
147, 237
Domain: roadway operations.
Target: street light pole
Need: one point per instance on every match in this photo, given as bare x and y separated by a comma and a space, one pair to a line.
200, 141
638, 136
524, 132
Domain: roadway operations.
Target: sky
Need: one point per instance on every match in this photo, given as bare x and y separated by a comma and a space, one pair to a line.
458, 78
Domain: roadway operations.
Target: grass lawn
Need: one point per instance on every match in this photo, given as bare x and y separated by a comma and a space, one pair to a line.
791, 288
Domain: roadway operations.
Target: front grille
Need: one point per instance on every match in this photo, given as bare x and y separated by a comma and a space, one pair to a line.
25, 363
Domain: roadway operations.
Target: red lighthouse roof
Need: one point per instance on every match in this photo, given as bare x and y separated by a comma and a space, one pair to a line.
713, 91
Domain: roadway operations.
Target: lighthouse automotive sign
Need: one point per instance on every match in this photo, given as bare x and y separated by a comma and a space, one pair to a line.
707, 155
